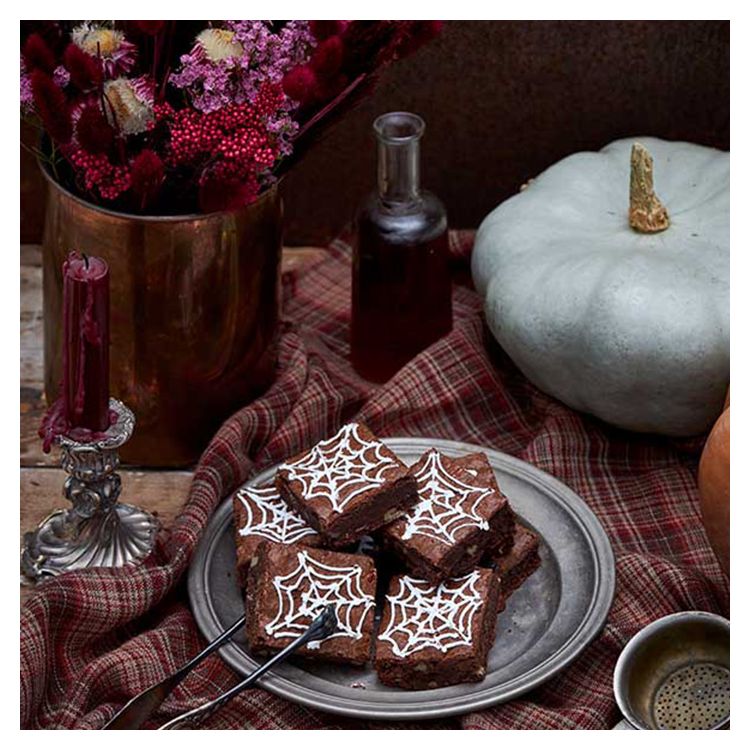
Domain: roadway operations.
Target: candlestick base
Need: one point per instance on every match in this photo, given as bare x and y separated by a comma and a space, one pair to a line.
98, 530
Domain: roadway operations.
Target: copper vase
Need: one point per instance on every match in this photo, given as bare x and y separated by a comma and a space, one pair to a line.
194, 314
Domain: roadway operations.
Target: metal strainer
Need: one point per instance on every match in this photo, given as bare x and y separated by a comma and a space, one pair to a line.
674, 674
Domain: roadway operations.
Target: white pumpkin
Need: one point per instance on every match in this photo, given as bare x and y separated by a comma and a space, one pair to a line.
631, 325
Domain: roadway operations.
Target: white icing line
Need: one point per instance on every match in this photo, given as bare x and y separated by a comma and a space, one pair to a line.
318, 585
268, 516
446, 504
338, 469
430, 616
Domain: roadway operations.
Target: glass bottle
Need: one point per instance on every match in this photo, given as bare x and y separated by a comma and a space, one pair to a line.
401, 286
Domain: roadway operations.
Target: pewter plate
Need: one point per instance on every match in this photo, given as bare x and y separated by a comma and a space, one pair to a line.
545, 626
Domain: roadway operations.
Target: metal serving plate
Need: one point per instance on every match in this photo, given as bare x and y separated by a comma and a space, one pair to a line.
546, 623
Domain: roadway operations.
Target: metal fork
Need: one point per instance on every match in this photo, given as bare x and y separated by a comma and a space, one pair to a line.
138, 709
321, 627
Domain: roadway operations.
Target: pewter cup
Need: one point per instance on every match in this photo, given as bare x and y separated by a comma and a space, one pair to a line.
674, 674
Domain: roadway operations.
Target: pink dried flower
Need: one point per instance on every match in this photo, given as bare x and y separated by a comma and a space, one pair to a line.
116, 53
130, 104
27, 96
228, 65
217, 44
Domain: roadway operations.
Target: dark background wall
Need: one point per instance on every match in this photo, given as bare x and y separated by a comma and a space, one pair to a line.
503, 100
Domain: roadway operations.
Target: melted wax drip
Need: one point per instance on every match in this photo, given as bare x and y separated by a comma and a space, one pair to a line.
55, 424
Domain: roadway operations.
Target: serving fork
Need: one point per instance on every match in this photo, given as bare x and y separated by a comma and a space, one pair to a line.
135, 712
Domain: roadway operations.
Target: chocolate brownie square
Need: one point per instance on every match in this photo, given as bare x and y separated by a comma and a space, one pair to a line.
347, 486
461, 513
292, 586
432, 635
514, 567
261, 515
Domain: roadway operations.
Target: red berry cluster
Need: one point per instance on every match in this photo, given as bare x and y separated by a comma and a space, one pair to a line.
100, 175
231, 145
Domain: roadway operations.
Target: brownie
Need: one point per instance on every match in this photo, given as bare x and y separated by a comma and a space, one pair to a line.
261, 515
514, 567
293, 584
432, 635
461, 513
347, 486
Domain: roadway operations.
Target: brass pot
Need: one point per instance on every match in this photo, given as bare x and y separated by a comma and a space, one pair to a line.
194, 314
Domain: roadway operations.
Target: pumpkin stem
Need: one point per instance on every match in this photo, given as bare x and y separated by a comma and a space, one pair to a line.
647, 214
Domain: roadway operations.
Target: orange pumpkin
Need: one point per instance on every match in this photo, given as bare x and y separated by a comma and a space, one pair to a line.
713, 486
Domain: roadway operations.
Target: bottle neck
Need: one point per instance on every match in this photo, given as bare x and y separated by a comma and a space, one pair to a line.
398, 171
398, 135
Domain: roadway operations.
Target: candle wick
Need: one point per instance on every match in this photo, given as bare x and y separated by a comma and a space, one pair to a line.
85, 260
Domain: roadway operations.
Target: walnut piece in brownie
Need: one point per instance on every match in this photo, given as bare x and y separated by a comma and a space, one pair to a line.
436, 635
293, 584
261, 515
461, 513
347, 486
514, 567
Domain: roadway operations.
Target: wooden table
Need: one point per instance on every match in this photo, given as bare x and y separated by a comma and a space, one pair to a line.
162, 491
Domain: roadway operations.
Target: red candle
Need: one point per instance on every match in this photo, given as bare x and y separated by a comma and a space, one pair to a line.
85, 386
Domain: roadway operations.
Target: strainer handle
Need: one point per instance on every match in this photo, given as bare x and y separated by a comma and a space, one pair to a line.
623, 724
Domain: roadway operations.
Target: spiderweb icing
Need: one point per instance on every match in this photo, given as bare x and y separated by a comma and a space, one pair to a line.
339, 469
423, 615
310, 587
446, 504
268, 516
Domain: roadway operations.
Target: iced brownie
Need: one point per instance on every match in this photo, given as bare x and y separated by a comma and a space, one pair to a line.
436, 635
261, 515
460, 514
347, 485
293, 584
514, 567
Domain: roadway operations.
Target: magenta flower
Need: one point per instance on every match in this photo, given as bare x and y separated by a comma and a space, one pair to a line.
116, 53
228, 65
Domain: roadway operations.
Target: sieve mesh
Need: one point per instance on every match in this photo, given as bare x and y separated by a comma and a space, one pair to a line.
693, 697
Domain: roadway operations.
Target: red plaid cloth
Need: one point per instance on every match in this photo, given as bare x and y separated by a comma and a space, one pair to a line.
91, 640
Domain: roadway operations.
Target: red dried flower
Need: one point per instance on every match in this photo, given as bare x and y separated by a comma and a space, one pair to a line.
421, 33
269, 99
323, 29
52, 106
300, 84
327, 58
152, 28
93, 132
219, 194
146, 176
100, 175
85, 71
37, 55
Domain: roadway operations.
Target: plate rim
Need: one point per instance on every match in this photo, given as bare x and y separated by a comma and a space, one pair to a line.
360, 707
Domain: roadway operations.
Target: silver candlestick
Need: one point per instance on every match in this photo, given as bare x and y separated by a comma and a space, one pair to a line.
98, 530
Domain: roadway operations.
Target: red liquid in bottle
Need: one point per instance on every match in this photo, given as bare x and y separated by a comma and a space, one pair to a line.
401, 285
401, 298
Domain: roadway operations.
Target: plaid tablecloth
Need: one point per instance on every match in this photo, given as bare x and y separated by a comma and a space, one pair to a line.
91, 640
